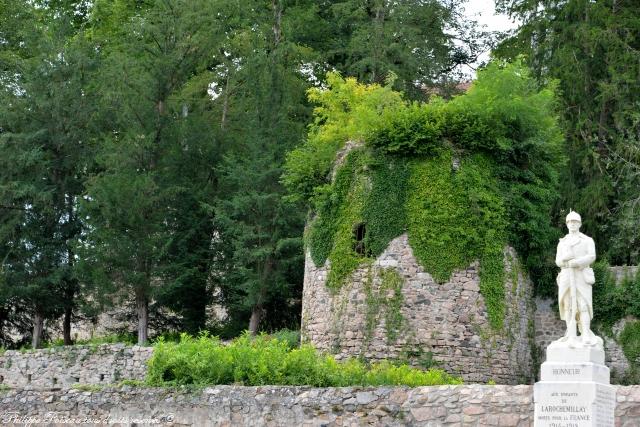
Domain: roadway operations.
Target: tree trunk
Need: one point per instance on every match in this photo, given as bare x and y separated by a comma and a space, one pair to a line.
71, 284
225, 104
38, 329
256, 317
142, 305
66, 326
277, 25
257, 311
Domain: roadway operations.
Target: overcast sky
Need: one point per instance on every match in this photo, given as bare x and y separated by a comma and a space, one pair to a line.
484, 12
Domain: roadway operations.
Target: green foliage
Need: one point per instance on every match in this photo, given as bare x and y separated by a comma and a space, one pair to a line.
608, 301
591, 49
349, 111
415, 129
457, 218
413, 39
367, 190
331, 234
611, 301
417, 355
265, 113
265, 361
145, 220
46, 111
463, 178
292, 338
630, 341
392, 283
384, 210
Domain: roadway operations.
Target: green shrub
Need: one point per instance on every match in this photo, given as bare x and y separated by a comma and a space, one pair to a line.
292, 338
630, 341
349, 111
608, 298
415, 129
263, 360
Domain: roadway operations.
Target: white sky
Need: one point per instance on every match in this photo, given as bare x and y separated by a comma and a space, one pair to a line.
484, 12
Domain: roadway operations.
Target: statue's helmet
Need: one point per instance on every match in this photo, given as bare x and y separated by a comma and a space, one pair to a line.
574, 216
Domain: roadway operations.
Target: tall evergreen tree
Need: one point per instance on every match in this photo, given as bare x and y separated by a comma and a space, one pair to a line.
45, 137
592, 49
266, 118
422, 43
141, 206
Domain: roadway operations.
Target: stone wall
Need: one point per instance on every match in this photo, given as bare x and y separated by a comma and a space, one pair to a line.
446, 321
63, 367
622, 272
473, 405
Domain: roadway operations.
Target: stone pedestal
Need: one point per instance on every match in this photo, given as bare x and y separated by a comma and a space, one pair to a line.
574, 389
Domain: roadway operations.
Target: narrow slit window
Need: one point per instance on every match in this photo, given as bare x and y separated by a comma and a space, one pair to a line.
359, 234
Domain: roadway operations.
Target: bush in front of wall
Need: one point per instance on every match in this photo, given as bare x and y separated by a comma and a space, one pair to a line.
262, 360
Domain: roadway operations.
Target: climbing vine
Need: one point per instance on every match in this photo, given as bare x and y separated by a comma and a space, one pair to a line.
339, 210
386, 299
630, 341
462, 178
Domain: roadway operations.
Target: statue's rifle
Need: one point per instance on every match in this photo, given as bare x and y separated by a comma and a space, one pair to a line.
572, 290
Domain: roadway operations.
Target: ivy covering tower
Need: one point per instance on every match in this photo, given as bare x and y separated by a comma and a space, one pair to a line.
449, 185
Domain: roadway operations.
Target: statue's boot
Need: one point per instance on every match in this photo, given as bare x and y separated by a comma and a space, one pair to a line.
587, 336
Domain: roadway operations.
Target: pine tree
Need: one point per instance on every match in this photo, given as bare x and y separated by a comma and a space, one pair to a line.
46, 110
592, 49
422, 43
140, 205
266, 118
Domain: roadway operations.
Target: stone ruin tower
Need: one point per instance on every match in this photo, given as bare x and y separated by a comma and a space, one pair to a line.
391, 308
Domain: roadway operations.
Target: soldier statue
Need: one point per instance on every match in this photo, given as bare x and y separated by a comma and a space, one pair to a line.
576, 252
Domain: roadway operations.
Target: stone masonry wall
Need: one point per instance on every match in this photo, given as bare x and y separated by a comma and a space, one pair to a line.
65, 366
549, 327
226, 406
448, 321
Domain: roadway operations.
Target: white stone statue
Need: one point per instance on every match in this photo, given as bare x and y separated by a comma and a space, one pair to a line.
576, 252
